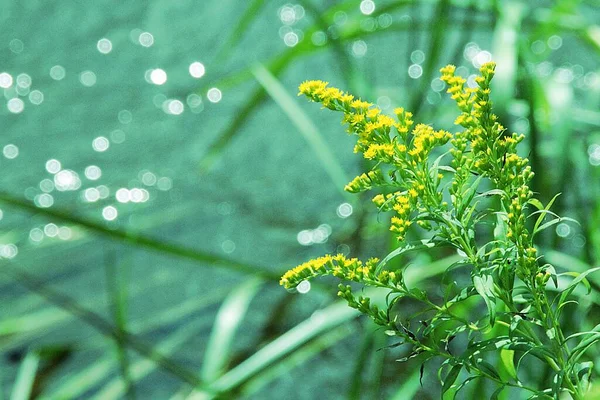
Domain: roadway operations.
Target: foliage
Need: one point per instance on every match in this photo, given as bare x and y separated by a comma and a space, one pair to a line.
480, 204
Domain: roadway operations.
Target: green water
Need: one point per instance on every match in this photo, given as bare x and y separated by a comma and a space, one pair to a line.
136, 119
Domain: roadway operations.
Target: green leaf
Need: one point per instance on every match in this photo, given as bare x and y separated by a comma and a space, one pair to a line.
565, 293
507, 357
484, 284
419, 245
451, 377
543, 214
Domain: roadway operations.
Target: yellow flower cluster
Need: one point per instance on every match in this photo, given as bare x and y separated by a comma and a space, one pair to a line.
425, 139
365, 182
350, 269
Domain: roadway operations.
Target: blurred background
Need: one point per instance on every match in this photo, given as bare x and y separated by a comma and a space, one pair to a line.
159, 174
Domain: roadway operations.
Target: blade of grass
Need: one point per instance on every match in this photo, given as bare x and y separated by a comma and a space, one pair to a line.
295, 360
79, 383
138, 239
242, 25
100, 324
304, 125
26, 377
409, 388
318, 324
327, 319
117, 294
115, 388
356, 381
229, 318
505, 50
276, 66
438, 31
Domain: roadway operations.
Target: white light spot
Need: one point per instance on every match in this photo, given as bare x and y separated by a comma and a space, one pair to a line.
66, 180
23, 80
481, 58
214, 95
36, 235
87, 78
303, 287
344, 210
304, 237
194, 101
16, 46
228, 246
9, 251
148, 178
46, 185
359, 48
104, 46
164, 183
93, 172
471, 50
555, 42
53, 166
437, 85
15, 105
10, 151
104, 192
124, 116
136, 195
6, 80
319, 38
291, 39
36, 97
287, 15
367, 7
146, 39
57, 72
100, 144
174, 107
123, 195
51, 230
415, 71
385, 20
117, 136
563, 230
197, 69
91, 195
44, 200
158, 76
417, 56
109, 213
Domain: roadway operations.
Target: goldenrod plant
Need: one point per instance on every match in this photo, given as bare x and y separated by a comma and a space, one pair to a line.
469, 191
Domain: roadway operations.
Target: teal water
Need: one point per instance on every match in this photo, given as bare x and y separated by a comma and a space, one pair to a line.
110, 115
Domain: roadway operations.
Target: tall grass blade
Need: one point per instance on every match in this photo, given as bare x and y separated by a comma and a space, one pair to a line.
304, 125
221, 341
26, 377
137, 239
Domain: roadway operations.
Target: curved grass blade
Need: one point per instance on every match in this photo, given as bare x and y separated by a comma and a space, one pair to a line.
304, 125
100, 324
77, 384
142, 368
26, 377
241, 27
137, 239
228, 320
